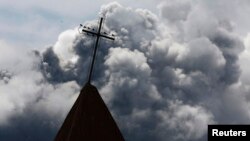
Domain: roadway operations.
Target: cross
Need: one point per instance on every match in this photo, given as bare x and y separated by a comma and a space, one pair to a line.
98, 35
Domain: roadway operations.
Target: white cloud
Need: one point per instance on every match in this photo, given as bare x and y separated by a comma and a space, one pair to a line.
244, 60
188, 122
23, 85
63, 48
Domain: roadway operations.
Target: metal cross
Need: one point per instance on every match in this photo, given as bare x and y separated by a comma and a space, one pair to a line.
98, 35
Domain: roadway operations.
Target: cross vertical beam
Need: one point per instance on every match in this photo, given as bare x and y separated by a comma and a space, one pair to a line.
95, 49
98, 35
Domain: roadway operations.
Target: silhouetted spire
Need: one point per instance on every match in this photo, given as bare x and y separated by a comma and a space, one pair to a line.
89, 120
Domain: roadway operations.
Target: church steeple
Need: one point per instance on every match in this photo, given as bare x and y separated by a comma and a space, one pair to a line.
89, 120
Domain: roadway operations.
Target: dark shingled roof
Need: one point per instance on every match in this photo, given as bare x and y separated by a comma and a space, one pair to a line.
89, 120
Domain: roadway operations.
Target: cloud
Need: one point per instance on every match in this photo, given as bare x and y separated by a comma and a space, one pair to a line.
26, 97
175, 11
244, 59
165, 76
184, 120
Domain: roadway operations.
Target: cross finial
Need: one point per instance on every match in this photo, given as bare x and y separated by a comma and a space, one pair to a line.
84, 29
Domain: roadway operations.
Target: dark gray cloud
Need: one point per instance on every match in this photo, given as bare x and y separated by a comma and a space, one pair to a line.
164, 77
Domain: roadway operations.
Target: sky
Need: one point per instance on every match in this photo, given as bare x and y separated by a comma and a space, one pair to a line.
29, 23
175, 65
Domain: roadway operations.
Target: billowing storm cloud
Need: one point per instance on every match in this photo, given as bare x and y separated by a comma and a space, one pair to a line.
165, 77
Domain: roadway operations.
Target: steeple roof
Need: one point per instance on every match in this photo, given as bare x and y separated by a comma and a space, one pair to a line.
89, 119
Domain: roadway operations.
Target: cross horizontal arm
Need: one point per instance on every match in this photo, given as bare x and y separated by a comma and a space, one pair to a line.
89, 32
108, 37
111, 38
